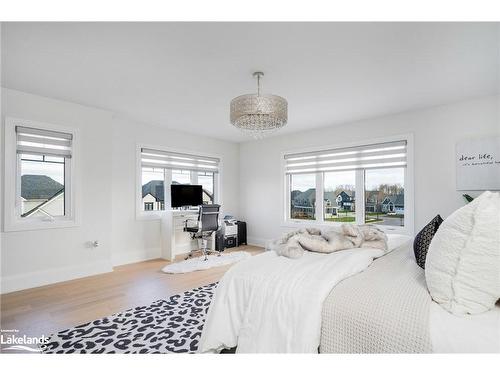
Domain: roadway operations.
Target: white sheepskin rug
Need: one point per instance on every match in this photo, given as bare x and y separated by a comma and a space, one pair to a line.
197, 263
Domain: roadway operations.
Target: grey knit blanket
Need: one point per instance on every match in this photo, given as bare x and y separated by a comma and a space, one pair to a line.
384, 309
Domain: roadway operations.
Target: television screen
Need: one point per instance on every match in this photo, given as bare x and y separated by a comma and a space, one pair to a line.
186, 195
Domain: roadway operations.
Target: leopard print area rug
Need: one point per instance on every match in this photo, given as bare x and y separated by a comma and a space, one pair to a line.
172, 325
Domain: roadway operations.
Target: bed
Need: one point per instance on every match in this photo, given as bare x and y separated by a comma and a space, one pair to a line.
387, 309
351, 301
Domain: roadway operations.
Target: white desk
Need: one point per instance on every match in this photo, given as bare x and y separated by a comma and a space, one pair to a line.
174, 241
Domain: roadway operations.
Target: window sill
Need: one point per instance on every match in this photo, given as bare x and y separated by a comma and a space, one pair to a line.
301, 223
157, 215
149, 216
21, 225
323, 224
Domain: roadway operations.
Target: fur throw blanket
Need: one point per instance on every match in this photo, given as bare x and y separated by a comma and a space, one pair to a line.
348, 236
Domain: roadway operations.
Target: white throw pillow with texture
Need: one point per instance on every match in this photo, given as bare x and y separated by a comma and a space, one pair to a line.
462, 268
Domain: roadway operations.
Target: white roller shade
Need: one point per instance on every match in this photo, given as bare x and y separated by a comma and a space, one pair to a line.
43, 142
175, 160
381, 155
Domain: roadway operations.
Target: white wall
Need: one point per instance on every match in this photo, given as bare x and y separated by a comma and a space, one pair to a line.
435, 130
133, 239
108, 191
32, 258
108, 188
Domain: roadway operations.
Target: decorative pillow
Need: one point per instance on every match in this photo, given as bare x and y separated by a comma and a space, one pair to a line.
462, 268
423, 240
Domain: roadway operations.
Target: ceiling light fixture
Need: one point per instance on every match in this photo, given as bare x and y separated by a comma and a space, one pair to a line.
258, 114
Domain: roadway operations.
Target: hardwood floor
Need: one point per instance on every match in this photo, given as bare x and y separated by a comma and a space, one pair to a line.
49, 309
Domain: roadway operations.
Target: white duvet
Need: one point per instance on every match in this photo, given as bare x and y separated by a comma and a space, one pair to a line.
478, 333
273, 304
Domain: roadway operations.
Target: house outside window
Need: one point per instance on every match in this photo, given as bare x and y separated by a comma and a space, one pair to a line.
42, 157
358, 184
159, 169
385, 196
339, 188
152, 186
303, 197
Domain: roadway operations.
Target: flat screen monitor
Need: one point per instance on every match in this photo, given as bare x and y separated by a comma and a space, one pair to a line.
186, 195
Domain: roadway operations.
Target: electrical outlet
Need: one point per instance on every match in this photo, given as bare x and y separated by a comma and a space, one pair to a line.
92, 244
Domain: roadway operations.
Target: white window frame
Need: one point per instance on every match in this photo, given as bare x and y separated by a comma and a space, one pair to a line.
409, 219
140, 214
12, 192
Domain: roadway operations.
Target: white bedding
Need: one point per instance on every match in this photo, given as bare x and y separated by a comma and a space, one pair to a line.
273, 304
479, 333
388, 309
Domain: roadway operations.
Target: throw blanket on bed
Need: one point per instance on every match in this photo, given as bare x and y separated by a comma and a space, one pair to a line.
382, 310
347, 236
271, 304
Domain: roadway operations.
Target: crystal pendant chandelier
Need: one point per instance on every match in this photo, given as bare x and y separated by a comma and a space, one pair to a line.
258, 114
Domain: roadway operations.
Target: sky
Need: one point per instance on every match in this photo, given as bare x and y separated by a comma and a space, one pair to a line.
151, 174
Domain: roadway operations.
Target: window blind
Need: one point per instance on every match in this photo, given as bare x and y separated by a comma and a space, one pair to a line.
381, 155
43, 142
175, 160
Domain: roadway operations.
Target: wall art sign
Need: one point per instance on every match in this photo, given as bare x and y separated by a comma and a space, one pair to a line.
478, 164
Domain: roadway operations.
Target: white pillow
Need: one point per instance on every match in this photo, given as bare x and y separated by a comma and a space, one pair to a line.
462, 268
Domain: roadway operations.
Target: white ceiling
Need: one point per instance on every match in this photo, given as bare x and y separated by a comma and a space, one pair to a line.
183, 75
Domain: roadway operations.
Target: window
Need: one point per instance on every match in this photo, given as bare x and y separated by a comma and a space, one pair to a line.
362, 184
41, 156
339, 196
182, 177
385, 196
160, 169
207, 181
303, 196
153, 191
42, 185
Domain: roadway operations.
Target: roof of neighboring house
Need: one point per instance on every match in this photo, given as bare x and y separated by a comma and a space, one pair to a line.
294, 194
307, 196
39, 187
155, 188
397, 200
346, 197
43, 204
330, 195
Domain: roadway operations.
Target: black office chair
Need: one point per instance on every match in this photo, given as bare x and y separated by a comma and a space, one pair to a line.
207, 223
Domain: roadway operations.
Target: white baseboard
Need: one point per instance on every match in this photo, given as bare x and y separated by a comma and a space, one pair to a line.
51, 276
257, 241
128, 257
